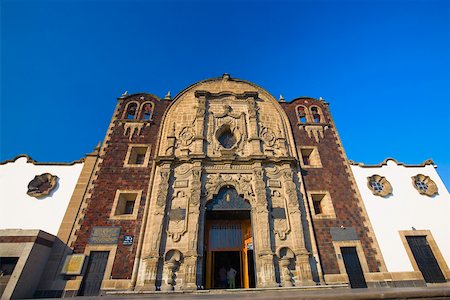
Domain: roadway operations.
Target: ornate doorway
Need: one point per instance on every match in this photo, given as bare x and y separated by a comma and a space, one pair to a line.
229, 243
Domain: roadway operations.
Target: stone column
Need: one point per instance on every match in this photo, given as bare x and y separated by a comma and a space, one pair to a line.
264, 255
298, 242
199, 123
194, 250
152, 241
254, 139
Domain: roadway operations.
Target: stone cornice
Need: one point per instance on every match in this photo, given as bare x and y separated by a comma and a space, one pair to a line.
384, 163
30, 160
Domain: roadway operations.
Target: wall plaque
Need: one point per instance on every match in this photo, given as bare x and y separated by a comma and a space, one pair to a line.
104, 235
73, 265
343, 234
127, 240
177, 214
278, 213
181, 183
274, 183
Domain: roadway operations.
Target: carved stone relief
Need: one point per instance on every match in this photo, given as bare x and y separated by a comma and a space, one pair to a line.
42, 185
178, 218
223, 122
280, 218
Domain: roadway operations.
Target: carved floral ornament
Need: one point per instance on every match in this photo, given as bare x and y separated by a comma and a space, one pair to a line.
42, 185
241, 182
424, 185
379, 185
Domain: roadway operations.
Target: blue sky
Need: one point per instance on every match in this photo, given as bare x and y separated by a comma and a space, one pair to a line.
383, 65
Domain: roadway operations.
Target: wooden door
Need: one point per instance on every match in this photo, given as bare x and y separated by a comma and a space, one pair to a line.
425, 259
353, 267
95, 272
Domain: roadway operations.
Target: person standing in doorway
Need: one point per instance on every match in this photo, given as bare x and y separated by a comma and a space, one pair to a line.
231, 275
223, 277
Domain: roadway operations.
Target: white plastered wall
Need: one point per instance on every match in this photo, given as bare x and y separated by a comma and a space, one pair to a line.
405, 209
18, 210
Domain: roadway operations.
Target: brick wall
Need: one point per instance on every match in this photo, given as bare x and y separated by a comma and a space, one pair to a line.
113, 176
335, 178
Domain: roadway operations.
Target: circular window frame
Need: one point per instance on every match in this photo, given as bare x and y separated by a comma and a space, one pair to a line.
224, 128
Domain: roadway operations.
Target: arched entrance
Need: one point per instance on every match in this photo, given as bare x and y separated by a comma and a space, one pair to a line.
228, 238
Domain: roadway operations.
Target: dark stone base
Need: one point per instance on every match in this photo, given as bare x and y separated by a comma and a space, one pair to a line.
48, 294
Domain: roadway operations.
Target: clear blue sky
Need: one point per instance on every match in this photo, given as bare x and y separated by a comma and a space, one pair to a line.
383, 65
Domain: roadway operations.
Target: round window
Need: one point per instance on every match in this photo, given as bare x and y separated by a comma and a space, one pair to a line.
227, 138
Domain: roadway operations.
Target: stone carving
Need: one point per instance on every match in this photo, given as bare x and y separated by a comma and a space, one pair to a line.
42, 185
227, 122
163, 188
274, 144
171, 140
286, 257
178, 218
186, 136
201, 107
228, 199
241, 182
290, 188
252, 108
424, 185
379, 185
268, 136
172, 261
282, 225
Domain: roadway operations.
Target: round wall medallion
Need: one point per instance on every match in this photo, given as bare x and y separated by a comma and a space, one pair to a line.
424, 185
42, 185
379, 185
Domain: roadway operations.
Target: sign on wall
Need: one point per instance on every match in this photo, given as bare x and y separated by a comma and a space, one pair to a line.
104, 235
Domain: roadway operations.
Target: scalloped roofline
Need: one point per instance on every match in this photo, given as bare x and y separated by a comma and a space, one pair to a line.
384, 163
31, 160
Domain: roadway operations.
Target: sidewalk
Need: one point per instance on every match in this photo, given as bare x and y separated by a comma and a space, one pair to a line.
337, 293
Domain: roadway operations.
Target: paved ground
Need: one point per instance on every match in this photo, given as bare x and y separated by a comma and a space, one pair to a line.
441, 292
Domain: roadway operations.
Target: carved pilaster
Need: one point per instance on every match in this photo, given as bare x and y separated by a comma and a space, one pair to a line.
194, 247
199, 123
151, 268
304, 272
301, 253
264, 254
254, 138
148, 271
190, 272
171, 141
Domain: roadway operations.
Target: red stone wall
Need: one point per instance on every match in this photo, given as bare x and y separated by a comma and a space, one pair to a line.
113, 176
334, 178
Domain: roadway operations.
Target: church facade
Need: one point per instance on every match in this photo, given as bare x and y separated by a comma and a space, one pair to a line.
221, 176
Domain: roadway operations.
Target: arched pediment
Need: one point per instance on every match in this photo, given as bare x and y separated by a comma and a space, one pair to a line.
227, 198
203, 109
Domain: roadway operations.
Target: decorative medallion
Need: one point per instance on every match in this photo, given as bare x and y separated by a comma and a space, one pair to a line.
424, 185
186, 136
379, 185
268, 136
42, 185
